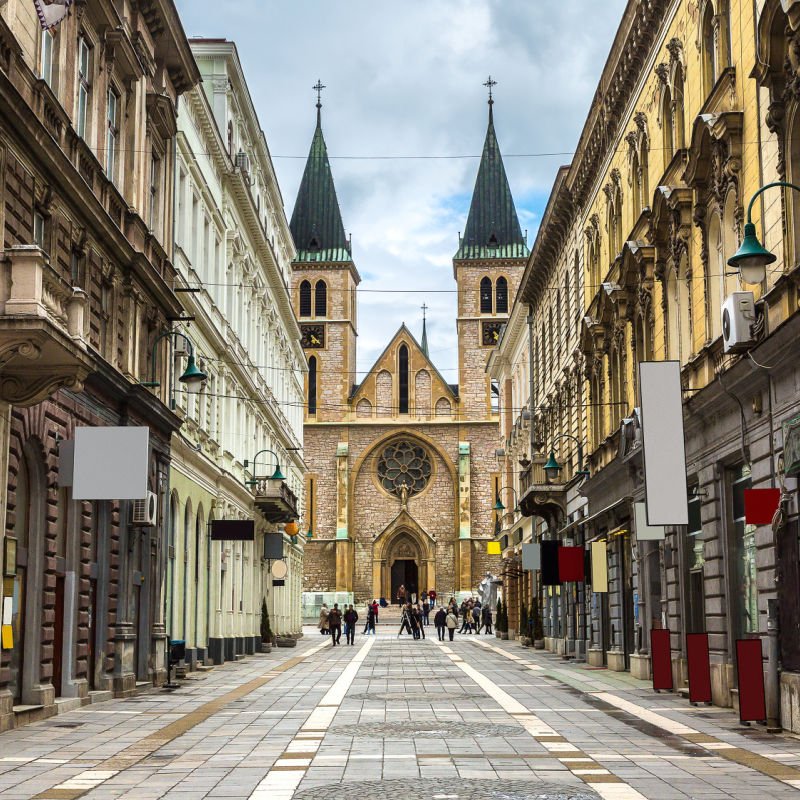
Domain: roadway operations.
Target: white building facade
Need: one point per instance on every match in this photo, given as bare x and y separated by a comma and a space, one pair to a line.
233, 254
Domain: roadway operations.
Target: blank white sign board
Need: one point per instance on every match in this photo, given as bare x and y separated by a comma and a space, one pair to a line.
531, 557
662, 440
645, 532
111, 463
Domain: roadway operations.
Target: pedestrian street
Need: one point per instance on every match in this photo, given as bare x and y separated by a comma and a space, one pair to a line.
397, 718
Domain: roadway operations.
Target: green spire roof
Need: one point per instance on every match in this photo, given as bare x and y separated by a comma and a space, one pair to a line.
316, 224
493, 229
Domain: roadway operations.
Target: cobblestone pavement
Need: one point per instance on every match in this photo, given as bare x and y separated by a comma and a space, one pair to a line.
476, 719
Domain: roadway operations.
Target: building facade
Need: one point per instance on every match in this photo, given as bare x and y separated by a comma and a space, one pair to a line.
233, 254
399, 461
87, 130
695, 110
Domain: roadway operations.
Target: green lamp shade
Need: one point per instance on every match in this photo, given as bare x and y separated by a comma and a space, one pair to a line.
309, 534
278, 475
552, 466
498, 506
193, 378
752, 258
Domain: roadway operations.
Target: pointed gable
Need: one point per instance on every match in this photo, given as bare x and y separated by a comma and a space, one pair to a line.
377, 394
316, 224
492, 229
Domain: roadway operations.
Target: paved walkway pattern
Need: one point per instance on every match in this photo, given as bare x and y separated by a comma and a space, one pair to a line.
397, 719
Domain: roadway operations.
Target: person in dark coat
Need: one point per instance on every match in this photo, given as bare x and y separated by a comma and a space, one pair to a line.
350, 619
486, 619
335, 624
440, 622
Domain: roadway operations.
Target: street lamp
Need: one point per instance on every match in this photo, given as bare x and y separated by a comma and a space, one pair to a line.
552, 467
192, 378
276, 476
498, 506
752, 258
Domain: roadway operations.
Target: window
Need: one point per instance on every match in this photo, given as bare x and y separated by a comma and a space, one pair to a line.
708, 50
84, 86
112, 132
667, 127
155, 189
312, 386
305, 299
402, 359
321, 299
46, 57
38, 229
486, 296
695, 558
501, 296
744, 552
636, 183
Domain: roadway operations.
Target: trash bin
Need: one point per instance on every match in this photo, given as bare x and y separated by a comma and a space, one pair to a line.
177, 651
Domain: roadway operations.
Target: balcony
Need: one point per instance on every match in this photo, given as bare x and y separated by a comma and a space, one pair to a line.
274, 499
42, 329
540, 498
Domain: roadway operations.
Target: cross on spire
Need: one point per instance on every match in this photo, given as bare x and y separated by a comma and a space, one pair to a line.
424, 308
490, 84
424, 342
318, 87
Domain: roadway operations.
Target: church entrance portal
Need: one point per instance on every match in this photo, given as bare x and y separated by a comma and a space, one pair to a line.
405, 573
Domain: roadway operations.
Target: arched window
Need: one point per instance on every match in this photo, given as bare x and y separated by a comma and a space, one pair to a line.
667, 127
730, 243
321, 299
312, 386
636, 185
305, 299
402, 378
715, 281
486, 296
708, 51
501, 296
577, 289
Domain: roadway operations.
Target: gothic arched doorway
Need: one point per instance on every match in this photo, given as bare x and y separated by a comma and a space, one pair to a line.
404, 567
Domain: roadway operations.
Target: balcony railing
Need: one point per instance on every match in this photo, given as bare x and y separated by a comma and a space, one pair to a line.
274, 499
533, 475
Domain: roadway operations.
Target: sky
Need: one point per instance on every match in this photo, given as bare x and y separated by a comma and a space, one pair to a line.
406, 79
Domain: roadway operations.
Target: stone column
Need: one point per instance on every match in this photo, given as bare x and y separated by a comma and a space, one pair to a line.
464, 574
344, 546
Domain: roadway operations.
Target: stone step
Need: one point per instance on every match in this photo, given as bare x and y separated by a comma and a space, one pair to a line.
100, 696
239, 657
143, 686
65, 704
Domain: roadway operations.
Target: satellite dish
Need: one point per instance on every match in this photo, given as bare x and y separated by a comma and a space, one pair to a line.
279, 570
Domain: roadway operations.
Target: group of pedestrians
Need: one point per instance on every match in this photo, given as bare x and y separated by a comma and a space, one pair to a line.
405, 596
474, 617
330, 623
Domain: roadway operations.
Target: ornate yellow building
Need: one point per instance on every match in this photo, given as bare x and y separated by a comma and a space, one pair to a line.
695, 110
400, 462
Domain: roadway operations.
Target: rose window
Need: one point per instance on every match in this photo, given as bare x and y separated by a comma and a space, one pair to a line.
404, 464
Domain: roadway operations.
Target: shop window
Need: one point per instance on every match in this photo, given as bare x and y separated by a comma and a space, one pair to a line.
744, 571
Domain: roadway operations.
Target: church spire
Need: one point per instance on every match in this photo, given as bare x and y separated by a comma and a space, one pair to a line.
492, 229
424, 343
316, 223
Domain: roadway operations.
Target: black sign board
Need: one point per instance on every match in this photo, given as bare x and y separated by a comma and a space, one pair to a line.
273, 546
233, 530
276, 582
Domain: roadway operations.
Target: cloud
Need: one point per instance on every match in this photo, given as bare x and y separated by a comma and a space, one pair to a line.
406, 79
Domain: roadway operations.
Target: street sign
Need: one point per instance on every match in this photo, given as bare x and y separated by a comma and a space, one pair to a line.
233, 530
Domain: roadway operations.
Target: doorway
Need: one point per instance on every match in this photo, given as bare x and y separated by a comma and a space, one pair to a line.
405, 572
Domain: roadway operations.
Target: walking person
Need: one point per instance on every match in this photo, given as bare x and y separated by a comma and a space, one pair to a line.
426, 610
486, 619
421, 621
323, 619
375, 608
432, 597
335, 624
476, 618
371, 617
440, 621
465, 618
451, 620
350, 619
401, 595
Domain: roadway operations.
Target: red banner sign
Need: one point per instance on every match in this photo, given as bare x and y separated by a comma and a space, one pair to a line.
699, 667
661, 658
749, 665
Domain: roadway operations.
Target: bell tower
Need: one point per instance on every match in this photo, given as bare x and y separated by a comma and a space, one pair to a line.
488, 267
324, 281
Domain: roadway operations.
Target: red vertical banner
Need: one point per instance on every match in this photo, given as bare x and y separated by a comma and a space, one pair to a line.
570, 564
750, 667
699, 667
661, 659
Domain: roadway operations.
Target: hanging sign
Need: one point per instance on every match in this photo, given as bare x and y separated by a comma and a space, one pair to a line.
233, 530
599, 567
750, 668
760, 505
570, 564
531, 557
279, 570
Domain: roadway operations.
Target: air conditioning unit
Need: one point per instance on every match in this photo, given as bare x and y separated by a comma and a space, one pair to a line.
144, 513
243, 161
738, 316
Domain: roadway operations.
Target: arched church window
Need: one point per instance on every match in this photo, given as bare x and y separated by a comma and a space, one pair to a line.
321, 299
402, 368
486, 295
501, 296
667, 127
305, 299
312, 386
404, 464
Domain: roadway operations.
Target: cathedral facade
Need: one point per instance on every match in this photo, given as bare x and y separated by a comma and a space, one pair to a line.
402, 465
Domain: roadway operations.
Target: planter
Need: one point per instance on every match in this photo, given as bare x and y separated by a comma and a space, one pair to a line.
538, 644
285, 641
504, 635
524, 641
497, 634
266, 647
